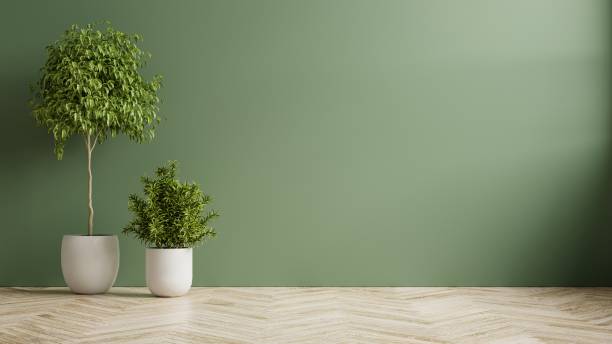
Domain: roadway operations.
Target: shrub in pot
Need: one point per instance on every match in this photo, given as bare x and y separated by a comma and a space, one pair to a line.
91, 86
170, 221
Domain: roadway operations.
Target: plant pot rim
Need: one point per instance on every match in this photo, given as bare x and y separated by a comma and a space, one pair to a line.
94, 235
169, 248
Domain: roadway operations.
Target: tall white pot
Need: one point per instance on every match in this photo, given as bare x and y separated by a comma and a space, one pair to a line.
169, 271
90, 263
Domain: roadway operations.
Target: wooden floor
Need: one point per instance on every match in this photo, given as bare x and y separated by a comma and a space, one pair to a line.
309, 315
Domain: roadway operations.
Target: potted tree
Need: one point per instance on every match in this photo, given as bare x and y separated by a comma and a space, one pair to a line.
170, 222
91, 87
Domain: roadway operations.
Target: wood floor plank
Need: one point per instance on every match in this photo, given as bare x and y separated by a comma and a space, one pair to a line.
309, 315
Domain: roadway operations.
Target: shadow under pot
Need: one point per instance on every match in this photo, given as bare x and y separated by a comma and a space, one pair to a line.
169, 271
90, 263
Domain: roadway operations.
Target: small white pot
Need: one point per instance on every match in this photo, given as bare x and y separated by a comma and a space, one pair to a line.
169, 271
90, 263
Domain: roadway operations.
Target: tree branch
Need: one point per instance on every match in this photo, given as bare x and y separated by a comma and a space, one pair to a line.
94, 142
89, 186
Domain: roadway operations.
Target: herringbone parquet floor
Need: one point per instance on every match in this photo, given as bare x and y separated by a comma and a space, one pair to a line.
309, 315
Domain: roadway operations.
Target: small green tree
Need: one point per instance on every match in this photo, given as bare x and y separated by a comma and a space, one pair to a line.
171, 215
91, 86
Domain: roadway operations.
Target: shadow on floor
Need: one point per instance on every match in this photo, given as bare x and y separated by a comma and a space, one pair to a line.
120, 292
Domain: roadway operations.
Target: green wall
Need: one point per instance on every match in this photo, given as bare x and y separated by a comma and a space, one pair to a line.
345, 142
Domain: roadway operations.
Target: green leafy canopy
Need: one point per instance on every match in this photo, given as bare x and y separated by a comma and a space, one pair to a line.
91, 85
170, 216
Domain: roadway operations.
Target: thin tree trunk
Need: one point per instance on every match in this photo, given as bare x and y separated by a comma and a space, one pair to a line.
90, 148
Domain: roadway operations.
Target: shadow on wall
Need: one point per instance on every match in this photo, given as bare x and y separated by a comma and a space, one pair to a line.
596, 244
21, 142
27, 161
596, 240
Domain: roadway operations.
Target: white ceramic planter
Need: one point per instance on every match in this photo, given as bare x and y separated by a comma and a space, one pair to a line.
169, 271
90, 263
